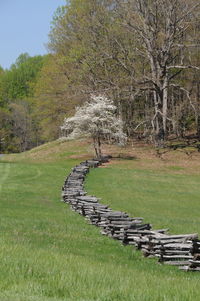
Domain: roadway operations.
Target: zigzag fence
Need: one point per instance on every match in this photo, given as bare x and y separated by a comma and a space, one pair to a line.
179, 250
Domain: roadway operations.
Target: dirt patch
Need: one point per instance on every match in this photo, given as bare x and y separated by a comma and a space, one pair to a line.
146, 157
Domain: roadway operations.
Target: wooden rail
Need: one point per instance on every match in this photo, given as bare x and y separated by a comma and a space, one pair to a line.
180, 250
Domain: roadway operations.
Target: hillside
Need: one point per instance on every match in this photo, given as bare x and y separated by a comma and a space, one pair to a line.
50, 253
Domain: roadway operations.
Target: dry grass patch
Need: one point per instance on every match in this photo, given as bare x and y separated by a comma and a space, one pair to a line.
146, 157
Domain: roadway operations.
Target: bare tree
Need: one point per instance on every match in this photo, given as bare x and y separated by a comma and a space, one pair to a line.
161, 27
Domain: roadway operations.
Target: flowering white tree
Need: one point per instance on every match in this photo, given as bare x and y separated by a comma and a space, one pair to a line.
96, 119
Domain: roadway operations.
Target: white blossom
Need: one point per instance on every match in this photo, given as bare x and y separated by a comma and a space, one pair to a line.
96, 119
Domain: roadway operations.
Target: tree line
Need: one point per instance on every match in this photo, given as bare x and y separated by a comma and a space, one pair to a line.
142, 54
18, 125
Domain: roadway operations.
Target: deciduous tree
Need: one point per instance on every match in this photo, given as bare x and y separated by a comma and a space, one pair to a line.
96, 119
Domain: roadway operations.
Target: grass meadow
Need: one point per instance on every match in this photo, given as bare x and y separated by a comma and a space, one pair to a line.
49, 253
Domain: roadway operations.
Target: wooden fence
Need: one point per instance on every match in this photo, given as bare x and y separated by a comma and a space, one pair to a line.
180, 250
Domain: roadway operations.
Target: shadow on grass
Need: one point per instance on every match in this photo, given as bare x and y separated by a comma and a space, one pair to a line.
125, 157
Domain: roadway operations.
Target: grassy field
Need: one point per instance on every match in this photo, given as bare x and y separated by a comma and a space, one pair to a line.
49, 253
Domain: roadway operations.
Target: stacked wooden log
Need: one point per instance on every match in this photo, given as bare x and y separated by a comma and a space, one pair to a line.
73, 185
140, 237
194, 262
181, 250
169, 249
115, 223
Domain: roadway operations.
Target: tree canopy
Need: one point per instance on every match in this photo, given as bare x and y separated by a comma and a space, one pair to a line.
18, 130
142, 55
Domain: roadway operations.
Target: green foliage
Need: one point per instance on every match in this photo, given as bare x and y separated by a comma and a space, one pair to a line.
52, 99
16, 93
1, 70
17, 82
22, 58
5, 130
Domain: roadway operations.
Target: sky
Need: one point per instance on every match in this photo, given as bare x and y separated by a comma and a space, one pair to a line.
24, 27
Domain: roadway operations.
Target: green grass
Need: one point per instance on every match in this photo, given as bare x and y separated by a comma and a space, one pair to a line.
49, 253
164, 199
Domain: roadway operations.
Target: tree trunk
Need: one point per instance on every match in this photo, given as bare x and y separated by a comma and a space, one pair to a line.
97, 147
158, 122
164, 105
198, 127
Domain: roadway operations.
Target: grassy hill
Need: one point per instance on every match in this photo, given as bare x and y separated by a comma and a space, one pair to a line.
49, 253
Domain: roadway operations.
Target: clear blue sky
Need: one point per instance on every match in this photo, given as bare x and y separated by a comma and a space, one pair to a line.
24, 27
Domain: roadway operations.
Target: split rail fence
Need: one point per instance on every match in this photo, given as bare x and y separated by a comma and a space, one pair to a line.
179, 250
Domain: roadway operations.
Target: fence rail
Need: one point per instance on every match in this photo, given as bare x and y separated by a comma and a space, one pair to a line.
180, 250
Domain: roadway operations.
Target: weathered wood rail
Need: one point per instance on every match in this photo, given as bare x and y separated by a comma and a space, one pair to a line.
180, 250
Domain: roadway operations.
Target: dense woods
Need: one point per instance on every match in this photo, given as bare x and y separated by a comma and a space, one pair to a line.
142, 54
19, 127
